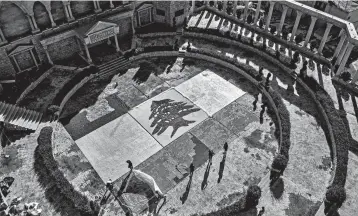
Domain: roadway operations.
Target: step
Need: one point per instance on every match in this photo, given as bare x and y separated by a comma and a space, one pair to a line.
8, 112
114, 68
38, 121
28, 121
18, 118
117, 61
3, 110
33, 121
11, 116
24, 118
111, 62
2, 107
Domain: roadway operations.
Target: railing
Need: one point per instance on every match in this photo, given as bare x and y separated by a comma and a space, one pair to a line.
349, 38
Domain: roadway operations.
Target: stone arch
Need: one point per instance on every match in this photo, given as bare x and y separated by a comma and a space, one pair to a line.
81, 8
58, 12
104, 5
13, 20
41, 15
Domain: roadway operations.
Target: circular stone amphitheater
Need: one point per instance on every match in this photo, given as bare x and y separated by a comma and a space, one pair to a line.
227, 110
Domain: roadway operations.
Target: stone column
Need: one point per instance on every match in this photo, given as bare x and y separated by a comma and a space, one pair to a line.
345, 58
97, 8
257, 12
88, 54
116, 40
53, 24
246, 9
215, 3
33, 57
111, 5
310, 29
33, 23
325, 36
340, 44
2, 37
297, 22
355, 77
224, 6
268, 20
343, 51
17, 64
68, 12
282, 21
235, 8
192, 6
48, 55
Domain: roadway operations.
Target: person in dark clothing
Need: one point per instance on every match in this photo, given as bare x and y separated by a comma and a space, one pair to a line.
226, 146
261, 212
191, 168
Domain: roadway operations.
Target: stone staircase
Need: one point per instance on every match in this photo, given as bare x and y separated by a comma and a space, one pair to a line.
113, 66
18, 116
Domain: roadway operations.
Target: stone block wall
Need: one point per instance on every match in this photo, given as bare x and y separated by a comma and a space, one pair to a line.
41, 16
58, 12
13, 20
6, 68
81, 8
25, 60
165, 6
124, 23
63, 49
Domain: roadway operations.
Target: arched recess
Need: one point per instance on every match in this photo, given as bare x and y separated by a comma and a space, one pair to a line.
58, 12
14, 22
41, 16
81, 8
104, 5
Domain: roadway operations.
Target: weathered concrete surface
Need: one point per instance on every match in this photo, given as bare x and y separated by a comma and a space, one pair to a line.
167, 116
209, 91
110, 146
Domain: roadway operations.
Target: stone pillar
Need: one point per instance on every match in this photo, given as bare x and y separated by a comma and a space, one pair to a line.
97, 8
33, 23
192, 6
111, 5
246, 9
257, 12
116, 40
345, 58
17, 64
282, 21
268, 20
2, 37
355, 77
48, 55
224, 6
297, 22
343, 51
88, 54
33, 57
53, 24
68, 11
310, 29
340, 44
325, 36
235, 8
215, 3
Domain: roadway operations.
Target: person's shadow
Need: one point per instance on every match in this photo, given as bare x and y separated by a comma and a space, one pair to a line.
185, 195
204, 184
222, 163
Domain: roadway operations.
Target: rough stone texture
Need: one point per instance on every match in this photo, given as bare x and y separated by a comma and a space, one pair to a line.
111, 145
81, 8
25, 60
209, 91
63, 49
41, 16
14, 22
6, 68
167, 121
58, 12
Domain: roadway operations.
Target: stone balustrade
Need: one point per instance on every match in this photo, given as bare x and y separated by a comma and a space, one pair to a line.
348, 35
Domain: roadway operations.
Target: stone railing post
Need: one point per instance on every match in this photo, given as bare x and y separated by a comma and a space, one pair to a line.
295, 26
325, 36
343, 51
268, 20
48, 55
340, 44
246, 9
282, 21
345, 58
310, 30
2, 37
257, 12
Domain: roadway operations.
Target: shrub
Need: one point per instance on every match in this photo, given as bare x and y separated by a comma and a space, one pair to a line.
280, 162
336, 194
346, 76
